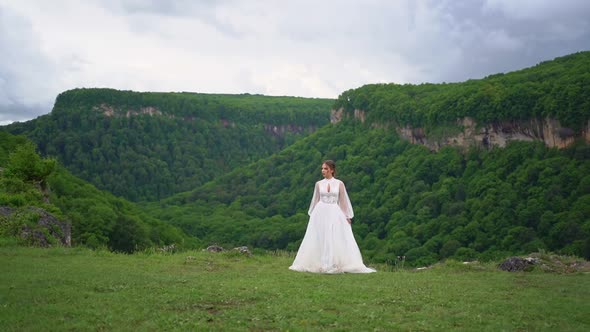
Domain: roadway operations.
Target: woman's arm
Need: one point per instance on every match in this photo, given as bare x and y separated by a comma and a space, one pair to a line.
344, 202
315, 199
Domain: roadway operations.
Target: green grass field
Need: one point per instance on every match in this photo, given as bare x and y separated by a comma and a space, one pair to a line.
62, 289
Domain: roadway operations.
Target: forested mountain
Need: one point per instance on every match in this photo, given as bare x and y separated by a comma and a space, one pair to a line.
30, 184
557, 89
145, 146
475, 202
408, 201
479, 203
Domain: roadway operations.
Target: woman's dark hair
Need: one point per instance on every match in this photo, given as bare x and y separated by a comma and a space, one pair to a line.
332, 165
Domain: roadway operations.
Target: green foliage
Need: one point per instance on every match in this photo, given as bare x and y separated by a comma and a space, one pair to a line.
146, 146
251, 185
25, 164
12, 226
8, 143
23, 226
557, 89
408, 201
98, 218
23, 173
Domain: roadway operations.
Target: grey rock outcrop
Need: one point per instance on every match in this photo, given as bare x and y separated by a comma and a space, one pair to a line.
214, 248
45, 232
243, 250
468, 132
517, 264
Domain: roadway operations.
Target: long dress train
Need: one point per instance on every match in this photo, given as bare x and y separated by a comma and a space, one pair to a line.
329, 245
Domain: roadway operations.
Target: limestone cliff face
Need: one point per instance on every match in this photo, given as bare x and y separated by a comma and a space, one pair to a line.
290, 128
277, 130
337, 115
496, 134
110, 111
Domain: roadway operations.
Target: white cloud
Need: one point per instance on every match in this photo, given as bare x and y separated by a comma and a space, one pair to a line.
24, 67
301, 48
540, 10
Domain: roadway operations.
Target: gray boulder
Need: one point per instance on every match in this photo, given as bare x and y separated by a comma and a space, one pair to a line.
516, 264
48, 229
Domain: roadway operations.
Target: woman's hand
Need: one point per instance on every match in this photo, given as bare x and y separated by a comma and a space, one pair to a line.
349, 221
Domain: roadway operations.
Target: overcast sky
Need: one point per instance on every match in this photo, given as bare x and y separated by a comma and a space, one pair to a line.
306, 48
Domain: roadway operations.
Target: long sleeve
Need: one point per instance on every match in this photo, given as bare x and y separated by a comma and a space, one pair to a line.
344, 202
315, 199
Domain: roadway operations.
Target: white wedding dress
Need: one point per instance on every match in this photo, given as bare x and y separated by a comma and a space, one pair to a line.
329, 245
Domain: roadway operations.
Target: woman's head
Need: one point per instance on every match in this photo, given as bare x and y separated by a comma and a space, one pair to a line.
328, 168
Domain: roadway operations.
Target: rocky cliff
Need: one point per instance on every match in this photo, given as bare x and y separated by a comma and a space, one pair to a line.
277, 130
48, 230
468, 132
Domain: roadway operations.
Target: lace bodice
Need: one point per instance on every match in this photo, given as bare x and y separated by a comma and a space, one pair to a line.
329, 197
332, 191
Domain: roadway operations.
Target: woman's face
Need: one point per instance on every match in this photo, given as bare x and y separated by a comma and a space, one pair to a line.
326, 171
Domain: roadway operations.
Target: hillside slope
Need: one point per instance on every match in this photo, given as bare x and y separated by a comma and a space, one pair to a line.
549, 102
145, 146
466, 203
32, 187
408, 201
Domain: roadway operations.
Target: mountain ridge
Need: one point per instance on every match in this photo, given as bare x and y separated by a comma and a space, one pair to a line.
467, 132
145, 146
424, 204
475, 203
548, 102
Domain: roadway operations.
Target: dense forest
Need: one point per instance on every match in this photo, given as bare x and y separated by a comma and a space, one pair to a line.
145, 146
558, 89
208, 166
408, 201
474, 204
98, 218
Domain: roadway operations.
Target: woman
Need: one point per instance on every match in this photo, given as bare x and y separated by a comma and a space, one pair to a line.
328, 245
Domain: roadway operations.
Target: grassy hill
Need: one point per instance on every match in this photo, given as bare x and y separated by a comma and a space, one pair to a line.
79, 289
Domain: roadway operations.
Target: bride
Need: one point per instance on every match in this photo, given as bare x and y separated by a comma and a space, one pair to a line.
328, 245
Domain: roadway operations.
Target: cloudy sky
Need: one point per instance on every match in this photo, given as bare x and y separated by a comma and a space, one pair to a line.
303, 48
